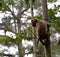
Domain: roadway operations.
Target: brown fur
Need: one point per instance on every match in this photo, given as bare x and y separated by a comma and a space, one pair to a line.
41, 30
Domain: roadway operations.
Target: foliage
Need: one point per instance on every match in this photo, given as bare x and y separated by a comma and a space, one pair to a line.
52, 1
36, 3
55, 21
7, 25
6, 40
0, 4
41, 48
23, 34
29, 33
39, 16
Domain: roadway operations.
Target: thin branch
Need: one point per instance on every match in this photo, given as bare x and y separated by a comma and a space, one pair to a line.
12, 12
21, 12
24, 10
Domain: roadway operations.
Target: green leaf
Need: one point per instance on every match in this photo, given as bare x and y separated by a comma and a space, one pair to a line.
10, 2
52, 1
39, 16
0, 3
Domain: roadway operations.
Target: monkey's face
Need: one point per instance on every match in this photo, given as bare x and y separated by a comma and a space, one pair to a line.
34, 21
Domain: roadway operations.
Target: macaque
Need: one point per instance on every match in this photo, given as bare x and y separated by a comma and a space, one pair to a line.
41, 27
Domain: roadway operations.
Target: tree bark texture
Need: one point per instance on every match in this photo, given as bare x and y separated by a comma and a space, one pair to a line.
46, 17
34, 35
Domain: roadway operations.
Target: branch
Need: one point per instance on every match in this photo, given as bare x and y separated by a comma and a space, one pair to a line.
21, 12
7, 7
25, 14
12, 13
24, 10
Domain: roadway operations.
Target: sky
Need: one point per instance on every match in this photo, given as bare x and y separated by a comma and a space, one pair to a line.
12, 49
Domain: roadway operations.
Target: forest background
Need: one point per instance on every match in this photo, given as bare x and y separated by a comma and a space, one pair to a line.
16, 30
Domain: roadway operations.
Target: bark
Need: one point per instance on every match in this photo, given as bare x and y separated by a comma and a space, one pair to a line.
44, 10
34, 35
46, 17
15, 30
19, 43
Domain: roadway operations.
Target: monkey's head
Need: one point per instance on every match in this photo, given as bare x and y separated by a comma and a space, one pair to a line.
34, 22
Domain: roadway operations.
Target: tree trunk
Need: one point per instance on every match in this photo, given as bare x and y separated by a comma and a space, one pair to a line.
46, 17
15, 30
20, 49
44, 10
34, 37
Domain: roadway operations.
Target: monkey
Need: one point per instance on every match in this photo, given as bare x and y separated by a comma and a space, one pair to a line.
41, 27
